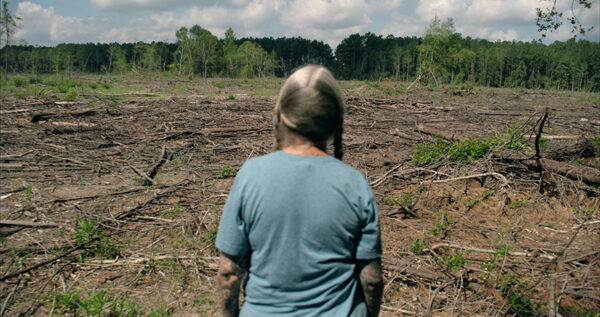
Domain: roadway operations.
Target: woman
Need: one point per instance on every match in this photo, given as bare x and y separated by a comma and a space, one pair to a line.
302, 224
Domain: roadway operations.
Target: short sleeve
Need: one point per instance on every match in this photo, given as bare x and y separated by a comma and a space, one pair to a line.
232, 237
369, 244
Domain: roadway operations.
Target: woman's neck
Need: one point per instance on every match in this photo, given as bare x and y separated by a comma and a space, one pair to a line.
304, 149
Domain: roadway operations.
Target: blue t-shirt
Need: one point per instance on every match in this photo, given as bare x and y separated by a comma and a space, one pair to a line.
305, 220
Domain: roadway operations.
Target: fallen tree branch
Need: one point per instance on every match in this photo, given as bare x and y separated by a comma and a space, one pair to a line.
14, 156
23, 223
582, 294
538, 156
14, 111
513, 253
496, 175
71, 124
415, 81
140, 173
407, 267
435, 133
120, 216
556, 137
432, 298
398, 310
36, 117
45, 262
211, 260
588, 175
162, 158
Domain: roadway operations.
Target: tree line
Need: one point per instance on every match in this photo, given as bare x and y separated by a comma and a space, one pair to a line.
442, 56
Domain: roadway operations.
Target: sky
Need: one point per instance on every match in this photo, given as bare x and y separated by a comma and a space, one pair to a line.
50, 22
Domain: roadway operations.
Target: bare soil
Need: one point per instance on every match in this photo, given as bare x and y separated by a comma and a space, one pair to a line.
455, 243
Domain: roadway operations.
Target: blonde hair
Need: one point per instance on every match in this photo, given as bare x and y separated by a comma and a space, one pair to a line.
310, 104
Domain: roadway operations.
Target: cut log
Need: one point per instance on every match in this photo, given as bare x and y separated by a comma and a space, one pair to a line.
65, 103
31, 224
36, 117
14, 157
501, 113
71, 124
14, 111
579, 149
588, 175
444, 135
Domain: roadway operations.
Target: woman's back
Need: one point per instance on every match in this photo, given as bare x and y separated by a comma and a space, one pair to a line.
307, 219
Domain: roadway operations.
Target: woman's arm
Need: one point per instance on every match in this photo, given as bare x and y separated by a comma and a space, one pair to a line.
231, 274
372, 284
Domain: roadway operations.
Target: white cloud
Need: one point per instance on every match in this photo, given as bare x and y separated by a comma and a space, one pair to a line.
502, 19
494, 34
402, 26
324, 14
507, 12
44, 27
443, 9
128, 5
247, 21
259, 13
153, 5
326, 20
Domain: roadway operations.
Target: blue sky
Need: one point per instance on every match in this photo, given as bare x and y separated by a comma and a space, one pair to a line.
50, 22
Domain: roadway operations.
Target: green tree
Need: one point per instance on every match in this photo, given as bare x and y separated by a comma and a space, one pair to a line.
115, 54
551, 19
8, 23
436, 50
254, 61
206, 46
183, 56
229, 52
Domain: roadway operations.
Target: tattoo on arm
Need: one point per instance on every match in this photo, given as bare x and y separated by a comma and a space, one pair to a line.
231, 274
371, 282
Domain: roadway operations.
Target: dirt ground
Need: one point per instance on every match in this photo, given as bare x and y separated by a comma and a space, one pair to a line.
88, 229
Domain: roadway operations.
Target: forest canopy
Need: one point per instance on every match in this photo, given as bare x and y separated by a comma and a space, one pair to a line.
442, 56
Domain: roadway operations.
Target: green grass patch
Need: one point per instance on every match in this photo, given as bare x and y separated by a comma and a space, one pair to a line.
417, 247
452, 262
595, 140
460, 152
90, 233
35, 80
227, 171
18, 81
262, 94
71, 94
513, 289
95, 303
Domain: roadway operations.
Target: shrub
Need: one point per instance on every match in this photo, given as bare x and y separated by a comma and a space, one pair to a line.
469, 150
19, 81
219, 84
71, 94
429, 153
52, 81
231, 97
595, 140
417, 247
34, 80
89, 232
92, 85
460, 152
227, 171
513, 138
